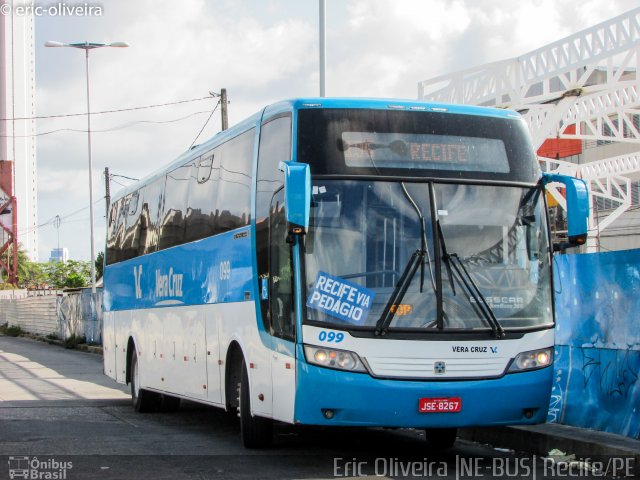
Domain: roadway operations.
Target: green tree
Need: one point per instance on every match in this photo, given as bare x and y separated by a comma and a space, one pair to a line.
30, 274
99, 265
70, 274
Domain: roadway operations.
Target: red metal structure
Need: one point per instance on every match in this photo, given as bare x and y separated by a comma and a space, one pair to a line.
8, 222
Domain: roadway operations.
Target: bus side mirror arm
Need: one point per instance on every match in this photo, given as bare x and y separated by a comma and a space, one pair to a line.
297, 196
577, 196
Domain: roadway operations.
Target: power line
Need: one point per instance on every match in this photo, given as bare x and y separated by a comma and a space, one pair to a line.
68, 215
84, 114
60, 217
204, 126
123, 176
112, 129
119, 183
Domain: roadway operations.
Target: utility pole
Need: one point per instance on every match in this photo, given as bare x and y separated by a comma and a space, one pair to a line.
223, 109
107, 189
57, 221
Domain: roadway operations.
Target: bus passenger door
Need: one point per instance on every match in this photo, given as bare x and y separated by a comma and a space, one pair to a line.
282, 318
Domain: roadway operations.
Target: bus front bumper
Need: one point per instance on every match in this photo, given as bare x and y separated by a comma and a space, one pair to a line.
357, 399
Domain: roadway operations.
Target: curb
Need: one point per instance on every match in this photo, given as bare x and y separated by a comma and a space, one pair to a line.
541, 439
54, 341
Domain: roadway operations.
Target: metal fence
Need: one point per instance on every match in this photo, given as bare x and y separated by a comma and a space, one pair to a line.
80, 315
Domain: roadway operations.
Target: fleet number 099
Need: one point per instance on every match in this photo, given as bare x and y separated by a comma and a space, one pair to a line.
325, 336
225, 270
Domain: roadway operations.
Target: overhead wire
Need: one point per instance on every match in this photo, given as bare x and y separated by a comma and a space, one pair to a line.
127, 125
112, 175
205, 125
118, 110
112, 129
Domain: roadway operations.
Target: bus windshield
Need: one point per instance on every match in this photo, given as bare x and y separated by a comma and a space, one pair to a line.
492, 241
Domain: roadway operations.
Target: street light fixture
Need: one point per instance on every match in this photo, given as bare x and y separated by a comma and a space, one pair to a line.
86, 46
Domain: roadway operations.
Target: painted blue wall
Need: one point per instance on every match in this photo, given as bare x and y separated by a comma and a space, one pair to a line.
597, 380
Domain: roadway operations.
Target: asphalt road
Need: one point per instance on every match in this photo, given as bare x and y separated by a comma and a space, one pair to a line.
57, 407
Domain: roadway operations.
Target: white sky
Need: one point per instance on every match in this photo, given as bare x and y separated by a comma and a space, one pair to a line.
261, 51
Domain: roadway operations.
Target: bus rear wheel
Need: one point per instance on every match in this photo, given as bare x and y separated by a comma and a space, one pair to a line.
441, 438
143, 400
256, 432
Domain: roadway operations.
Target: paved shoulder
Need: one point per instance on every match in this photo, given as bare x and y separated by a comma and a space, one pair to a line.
33, 371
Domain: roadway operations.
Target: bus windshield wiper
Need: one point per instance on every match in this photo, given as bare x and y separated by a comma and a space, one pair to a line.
423, 239
454, 262
416, 260
399, 292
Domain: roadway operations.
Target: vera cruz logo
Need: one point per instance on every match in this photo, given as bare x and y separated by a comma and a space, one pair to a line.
137, 276
168, 284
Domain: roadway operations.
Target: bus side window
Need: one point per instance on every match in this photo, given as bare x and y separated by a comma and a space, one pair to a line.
205, 165
152, 195
131, 226
176, 191
120, 228
201, 214
112, 232
234, 191
280, 268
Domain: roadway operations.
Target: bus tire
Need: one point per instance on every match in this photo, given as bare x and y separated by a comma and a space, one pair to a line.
143, 400
441, 438
256, 432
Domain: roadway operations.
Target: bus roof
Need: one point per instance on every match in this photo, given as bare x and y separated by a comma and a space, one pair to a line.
387, 104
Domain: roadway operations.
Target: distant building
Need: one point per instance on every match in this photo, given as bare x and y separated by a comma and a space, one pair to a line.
59, 255
17, 126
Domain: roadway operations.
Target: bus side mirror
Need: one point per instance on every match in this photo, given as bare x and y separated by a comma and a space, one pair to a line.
297, 196
577, 198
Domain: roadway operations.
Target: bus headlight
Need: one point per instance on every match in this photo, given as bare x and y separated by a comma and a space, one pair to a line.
532, 360
333, 358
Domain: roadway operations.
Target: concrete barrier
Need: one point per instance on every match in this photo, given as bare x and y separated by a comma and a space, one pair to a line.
65, 315
597, 381
32, 314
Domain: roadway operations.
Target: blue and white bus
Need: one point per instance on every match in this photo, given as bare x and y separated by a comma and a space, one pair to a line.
342, 262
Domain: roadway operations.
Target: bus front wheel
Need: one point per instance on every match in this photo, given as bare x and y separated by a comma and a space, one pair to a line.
256, 432
441, 438
143, 400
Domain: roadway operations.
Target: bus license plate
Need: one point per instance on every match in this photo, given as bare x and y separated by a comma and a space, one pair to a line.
440, 405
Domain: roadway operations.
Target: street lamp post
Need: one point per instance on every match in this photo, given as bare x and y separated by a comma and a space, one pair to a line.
86, 46
323, 47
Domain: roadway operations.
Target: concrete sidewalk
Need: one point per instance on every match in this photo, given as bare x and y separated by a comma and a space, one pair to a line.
50, 373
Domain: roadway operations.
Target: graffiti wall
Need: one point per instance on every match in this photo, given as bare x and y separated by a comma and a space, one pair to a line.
597, 364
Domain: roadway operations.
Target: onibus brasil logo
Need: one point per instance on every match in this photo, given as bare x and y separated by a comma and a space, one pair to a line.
37, 469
